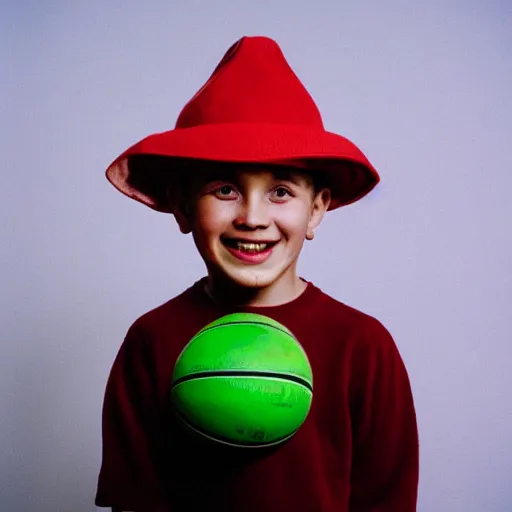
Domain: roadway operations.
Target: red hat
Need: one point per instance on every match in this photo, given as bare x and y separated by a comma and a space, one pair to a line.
253, 109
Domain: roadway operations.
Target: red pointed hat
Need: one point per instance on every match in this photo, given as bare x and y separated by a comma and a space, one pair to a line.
253, 109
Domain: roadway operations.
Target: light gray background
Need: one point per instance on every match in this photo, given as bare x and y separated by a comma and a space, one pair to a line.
424, 88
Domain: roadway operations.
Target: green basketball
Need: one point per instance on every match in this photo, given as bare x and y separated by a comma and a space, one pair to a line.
243, 380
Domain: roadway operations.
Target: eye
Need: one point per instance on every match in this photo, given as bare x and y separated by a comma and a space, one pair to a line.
281, 193
225, 192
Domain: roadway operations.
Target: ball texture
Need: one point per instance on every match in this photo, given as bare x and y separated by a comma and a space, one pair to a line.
243, 380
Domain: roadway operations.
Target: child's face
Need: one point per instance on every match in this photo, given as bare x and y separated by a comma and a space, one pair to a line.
249, 225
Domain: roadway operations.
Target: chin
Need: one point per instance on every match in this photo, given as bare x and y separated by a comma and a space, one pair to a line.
248, 276
251, 278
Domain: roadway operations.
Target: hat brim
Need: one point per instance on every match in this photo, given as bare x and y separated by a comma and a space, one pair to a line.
343, 166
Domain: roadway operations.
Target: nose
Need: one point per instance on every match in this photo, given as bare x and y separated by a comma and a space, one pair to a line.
252, 214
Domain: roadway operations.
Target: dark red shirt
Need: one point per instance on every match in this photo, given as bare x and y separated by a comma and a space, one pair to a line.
356, 452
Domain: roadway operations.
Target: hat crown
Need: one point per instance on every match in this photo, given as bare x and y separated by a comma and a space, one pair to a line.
253, 83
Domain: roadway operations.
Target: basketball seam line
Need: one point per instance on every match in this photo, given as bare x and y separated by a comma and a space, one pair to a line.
244, 373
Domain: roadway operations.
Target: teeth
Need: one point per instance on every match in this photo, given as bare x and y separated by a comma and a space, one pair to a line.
251, 247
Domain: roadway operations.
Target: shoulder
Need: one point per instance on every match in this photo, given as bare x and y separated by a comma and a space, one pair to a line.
364, 345
179, 316
371, 349
162, 313
155, 339
365, 331
341, 314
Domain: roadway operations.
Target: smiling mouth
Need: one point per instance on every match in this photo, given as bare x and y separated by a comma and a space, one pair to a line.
248, 247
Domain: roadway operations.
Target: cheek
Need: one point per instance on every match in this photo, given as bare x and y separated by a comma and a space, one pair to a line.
294, 222
212, 217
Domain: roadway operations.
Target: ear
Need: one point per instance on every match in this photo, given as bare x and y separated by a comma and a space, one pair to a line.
319, 206
179, 209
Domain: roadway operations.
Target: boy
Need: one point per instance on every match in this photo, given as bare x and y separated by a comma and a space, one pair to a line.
250, 172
